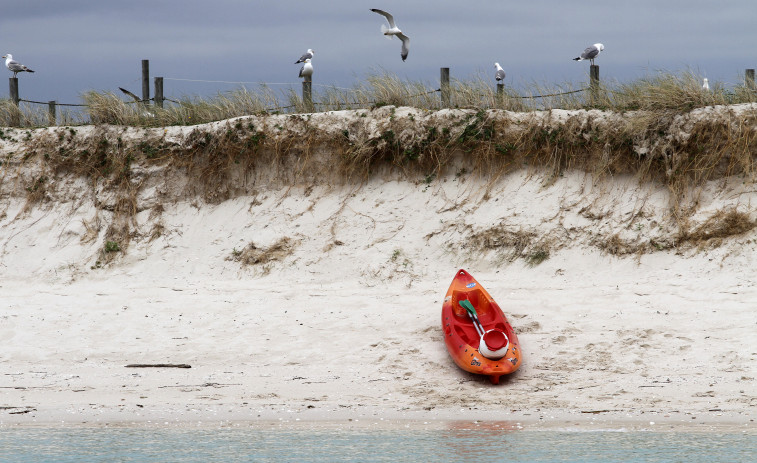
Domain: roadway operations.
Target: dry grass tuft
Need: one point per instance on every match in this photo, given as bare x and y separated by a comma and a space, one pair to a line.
108, 108
617, 246
254, 255
720, 225
25, 115
37, 191
669, 92
710, 233
511, 244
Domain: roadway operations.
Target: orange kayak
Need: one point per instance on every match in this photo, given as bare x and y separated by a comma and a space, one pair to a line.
478, 336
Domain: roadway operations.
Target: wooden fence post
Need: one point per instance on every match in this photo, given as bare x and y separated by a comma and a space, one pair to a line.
500, 94
145, 80
594, 81
307, 93
159, 92
51, 117
749, 78
445, 87
13, 91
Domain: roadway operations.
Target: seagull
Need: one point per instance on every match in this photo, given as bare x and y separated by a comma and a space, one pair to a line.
394, 30
307, 69
14, 65
706, 84
307, 55
137, 99
500, 75
590, 53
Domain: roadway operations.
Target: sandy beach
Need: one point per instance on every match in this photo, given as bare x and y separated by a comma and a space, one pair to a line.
322, 303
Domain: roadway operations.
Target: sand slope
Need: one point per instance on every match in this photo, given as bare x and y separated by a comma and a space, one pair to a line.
323, 302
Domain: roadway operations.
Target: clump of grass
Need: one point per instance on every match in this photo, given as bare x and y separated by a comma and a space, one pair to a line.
111, 246
10, 114
722, 224
108, 108
386, 89
479, 93
617, 246
537, 256
500, 238
253, 254
240, 102
36, 191
669, 92
24, 115
512, 244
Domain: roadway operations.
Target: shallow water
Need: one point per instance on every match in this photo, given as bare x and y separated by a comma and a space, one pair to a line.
454, 444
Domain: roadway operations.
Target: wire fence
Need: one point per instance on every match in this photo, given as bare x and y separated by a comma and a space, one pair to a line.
465, 97
54, 102
278, 108
308, 106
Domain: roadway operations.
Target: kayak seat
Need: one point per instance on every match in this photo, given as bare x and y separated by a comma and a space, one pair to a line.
480, 303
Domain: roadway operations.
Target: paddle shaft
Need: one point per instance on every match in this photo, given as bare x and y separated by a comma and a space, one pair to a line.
473, 316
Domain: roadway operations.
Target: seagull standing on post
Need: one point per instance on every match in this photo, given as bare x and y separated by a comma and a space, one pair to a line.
590, 53
393, 30
307, 55
307, 68
500, 74
14, 65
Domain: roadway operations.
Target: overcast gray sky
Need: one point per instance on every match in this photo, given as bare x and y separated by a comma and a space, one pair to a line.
79, 45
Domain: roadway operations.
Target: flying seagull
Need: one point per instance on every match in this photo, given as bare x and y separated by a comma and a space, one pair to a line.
307, 68
14, 65
500, 75
393, 30
307, 55
590, 53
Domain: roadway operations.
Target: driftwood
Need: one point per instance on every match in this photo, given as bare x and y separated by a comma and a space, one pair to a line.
19, 410
158, 365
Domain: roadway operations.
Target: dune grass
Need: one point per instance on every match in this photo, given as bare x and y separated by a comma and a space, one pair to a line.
647, 129
639, 133
664, 92
34, 115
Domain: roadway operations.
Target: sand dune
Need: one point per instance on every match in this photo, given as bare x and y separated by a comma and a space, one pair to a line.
323, 301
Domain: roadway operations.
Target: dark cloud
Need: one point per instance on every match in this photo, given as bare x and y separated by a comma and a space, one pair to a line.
79, 45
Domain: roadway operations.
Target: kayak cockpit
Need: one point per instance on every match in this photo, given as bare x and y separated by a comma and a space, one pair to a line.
487, 315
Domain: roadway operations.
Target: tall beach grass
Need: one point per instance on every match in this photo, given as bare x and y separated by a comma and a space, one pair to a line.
663, 92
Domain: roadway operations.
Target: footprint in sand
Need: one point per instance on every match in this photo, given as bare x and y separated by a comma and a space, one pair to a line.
528, 328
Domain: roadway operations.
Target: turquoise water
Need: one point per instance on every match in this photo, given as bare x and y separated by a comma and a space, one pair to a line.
34, 445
